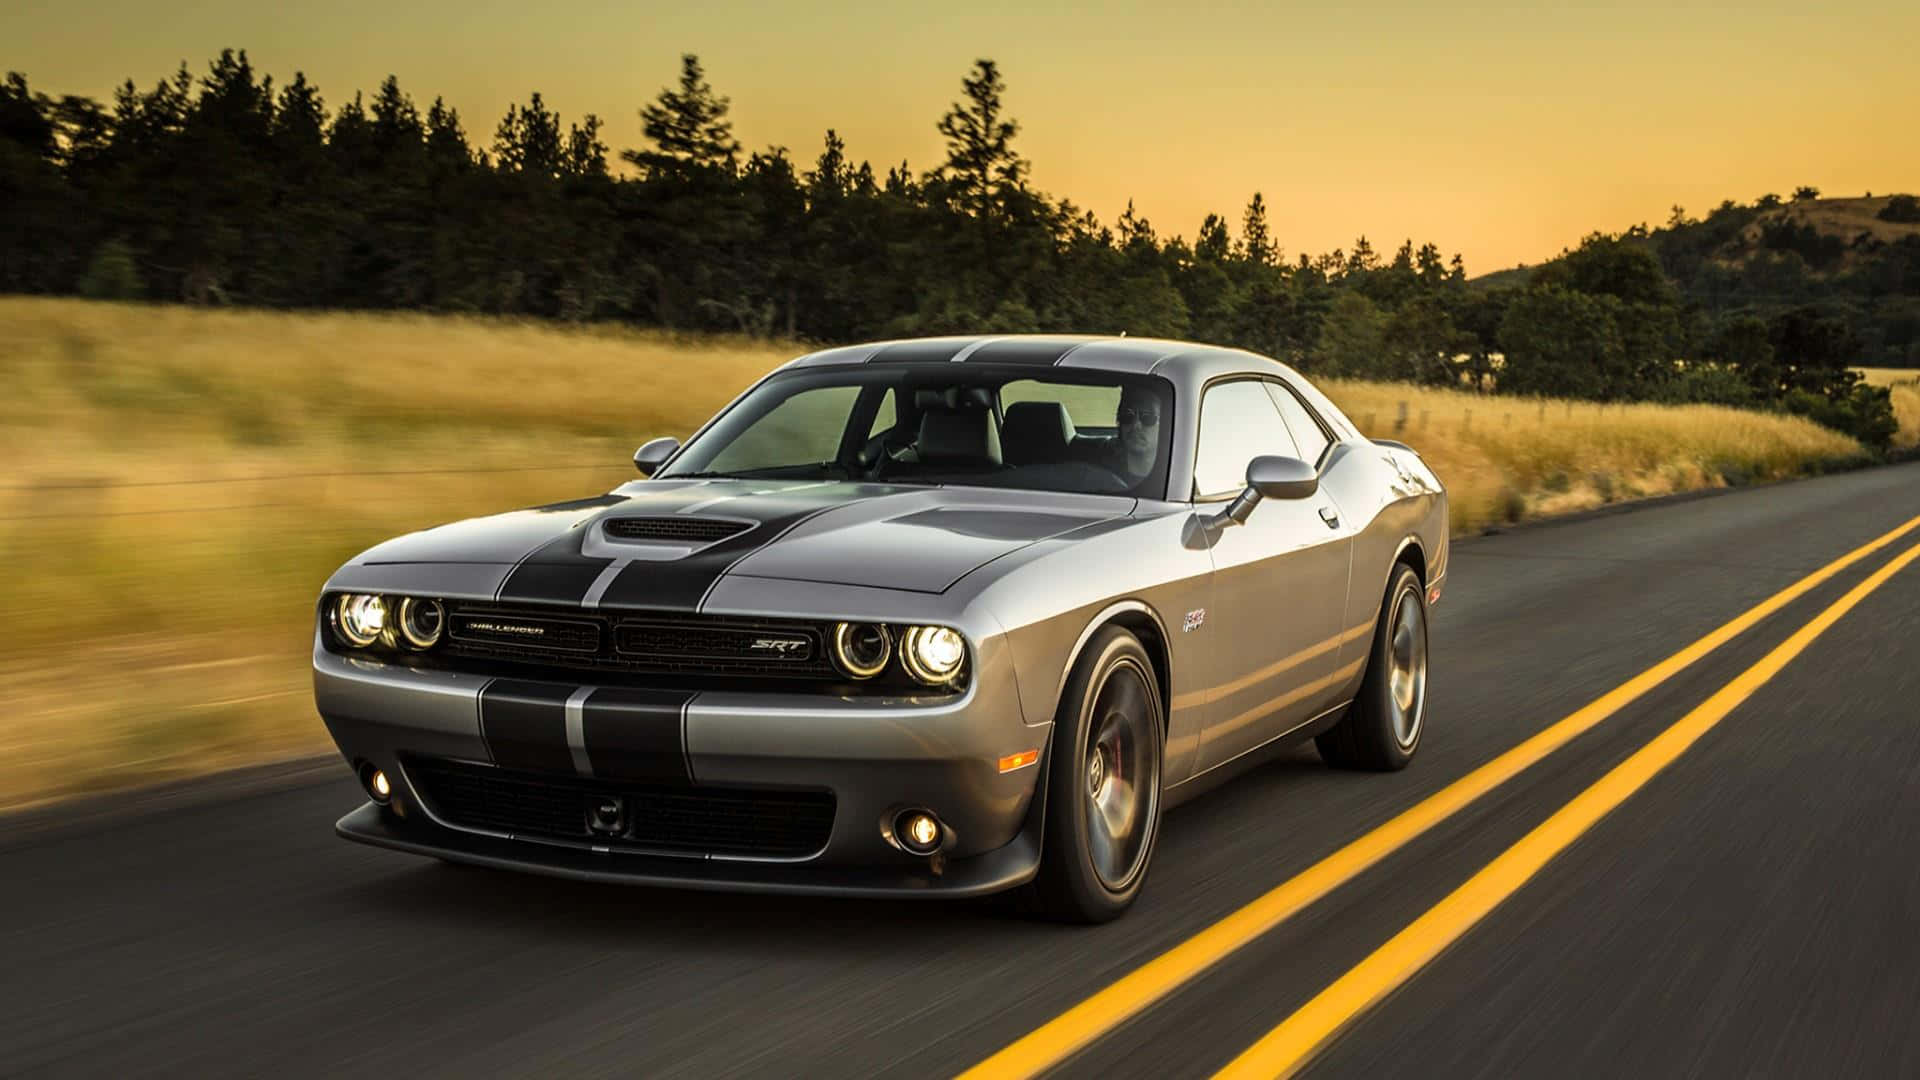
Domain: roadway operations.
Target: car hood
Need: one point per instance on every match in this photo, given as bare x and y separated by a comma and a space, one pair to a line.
662, 544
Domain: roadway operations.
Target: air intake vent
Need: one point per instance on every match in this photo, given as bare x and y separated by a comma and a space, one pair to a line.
681, 530
721, 821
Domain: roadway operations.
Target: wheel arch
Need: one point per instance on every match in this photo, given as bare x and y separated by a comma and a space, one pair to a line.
1414, 555
1144, 624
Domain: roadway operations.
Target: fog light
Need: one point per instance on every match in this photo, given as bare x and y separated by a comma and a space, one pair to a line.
917, 831
376, 783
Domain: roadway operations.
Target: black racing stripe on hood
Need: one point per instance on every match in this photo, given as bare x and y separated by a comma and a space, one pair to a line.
633, 734
524, 725
554, 573
681, 584
1038, 353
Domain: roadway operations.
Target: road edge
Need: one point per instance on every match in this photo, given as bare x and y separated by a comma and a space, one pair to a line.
1654, 502
52, 820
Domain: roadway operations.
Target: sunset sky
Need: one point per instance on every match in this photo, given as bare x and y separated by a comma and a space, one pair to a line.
1503, 132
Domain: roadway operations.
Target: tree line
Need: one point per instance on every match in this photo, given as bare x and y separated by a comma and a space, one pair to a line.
227, 189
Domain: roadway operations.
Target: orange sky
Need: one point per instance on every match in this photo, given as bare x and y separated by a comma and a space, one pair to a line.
1503, 132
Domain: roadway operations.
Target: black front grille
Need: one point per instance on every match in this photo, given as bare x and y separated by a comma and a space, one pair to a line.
682, 529
697, 820
680, 645
764, 648
515, 631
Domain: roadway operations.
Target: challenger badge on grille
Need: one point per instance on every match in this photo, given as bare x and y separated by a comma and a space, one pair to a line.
567, 635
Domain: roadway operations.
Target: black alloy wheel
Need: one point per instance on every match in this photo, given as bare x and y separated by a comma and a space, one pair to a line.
1103, 783
1382, 728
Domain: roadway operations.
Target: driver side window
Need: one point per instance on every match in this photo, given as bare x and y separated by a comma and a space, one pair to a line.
1238, 423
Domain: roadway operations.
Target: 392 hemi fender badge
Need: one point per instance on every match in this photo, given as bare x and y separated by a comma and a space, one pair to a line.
1194, 619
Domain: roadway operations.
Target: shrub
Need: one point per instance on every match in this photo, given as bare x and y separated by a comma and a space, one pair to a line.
1904, 209
1864, 412
112, 275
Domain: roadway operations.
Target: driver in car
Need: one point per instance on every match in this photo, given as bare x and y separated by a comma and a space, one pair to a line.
1136, 448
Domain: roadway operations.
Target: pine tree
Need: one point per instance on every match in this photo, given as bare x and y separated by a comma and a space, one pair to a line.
981, 165
1213, 245
1256, 239
689, 128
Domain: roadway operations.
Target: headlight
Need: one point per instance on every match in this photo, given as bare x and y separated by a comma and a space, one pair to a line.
933, 654
862, 649
359, 618
421, 622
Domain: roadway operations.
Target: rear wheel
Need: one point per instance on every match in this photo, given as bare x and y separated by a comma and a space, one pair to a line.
1103, 783
1382, 729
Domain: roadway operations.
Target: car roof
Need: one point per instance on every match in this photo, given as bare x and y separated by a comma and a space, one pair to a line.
1125, 354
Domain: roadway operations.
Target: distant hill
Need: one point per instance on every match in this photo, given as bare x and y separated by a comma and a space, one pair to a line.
1855, 258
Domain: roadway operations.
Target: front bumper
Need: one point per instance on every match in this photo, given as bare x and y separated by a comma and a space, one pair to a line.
876, 756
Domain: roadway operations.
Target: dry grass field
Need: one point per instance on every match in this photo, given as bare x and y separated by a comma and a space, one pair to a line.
1905, 385
180, 482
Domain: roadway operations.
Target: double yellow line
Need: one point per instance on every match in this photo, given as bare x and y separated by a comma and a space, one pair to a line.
1290, 1045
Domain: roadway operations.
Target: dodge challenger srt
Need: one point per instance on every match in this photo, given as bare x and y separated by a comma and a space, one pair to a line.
939, 617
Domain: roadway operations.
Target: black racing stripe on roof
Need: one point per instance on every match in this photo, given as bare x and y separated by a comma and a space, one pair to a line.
524, 725
1040, 353
918, 352
636, 734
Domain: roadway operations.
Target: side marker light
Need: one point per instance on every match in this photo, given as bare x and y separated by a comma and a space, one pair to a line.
1019, 761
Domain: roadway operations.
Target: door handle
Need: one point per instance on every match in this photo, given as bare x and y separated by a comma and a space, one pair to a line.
1331, 516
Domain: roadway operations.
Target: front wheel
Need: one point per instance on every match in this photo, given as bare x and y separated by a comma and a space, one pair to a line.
1382, 729
1103, 783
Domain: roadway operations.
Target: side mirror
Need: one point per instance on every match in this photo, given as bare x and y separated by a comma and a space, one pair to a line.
654, 454
1271, 476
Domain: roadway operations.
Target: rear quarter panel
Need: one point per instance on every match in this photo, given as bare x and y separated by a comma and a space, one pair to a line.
1393, 501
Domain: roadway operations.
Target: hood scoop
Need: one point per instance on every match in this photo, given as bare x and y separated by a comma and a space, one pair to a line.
673, 529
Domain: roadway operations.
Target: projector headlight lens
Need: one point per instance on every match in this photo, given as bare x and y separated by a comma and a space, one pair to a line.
421, 622
360, 618
933, 654
862, 649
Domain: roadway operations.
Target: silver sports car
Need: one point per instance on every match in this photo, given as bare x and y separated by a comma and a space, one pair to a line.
939, 617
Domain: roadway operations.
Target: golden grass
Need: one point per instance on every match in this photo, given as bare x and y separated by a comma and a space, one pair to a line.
181, 482
1507, 459
1889, 376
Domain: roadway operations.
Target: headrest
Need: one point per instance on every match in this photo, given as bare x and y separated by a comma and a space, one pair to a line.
953, 397
1037, 432
958, 437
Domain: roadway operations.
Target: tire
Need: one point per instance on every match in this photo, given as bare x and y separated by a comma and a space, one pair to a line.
1103, 784
1382, 729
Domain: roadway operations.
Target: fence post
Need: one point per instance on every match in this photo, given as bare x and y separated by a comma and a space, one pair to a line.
1400, 420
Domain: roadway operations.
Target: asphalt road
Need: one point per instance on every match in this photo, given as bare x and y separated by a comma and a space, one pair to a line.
1754, 909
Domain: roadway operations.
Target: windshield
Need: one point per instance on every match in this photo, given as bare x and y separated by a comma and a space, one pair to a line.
1043, 429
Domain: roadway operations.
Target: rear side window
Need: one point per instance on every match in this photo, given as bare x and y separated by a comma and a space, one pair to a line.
1305, 430
1238, 422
